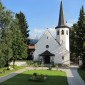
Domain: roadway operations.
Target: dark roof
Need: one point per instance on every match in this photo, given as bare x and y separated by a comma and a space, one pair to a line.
46, 53
62, 21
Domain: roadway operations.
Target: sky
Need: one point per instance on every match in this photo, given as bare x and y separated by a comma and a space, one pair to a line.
43, 14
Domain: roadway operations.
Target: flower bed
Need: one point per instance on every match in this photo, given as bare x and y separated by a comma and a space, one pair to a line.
38, 78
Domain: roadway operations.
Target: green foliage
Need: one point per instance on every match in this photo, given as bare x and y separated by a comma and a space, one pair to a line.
38, 77
56, 66
19, 48
77, 37
73, 41
81, 35
50, 68
82, 73
5, 34
12, 42
30, 63
23, 26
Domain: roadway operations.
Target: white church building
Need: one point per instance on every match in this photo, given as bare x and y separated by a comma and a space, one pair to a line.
50, 50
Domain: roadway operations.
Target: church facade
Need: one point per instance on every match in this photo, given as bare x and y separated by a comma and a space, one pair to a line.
50, 50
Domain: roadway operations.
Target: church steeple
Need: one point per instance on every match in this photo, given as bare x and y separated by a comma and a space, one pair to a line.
62, 21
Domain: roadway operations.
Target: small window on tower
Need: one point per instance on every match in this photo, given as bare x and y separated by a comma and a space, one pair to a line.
62, 32
62, 57
58, 32
67, 32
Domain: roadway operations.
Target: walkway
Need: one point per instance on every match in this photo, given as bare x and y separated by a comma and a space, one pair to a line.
72, 75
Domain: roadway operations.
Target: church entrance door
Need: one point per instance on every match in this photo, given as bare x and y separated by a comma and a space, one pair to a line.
47, 59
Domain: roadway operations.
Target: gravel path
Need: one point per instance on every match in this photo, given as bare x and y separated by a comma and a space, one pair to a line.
72, 75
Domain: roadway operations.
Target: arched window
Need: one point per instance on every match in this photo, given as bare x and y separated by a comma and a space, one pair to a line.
58, 32
62, 32
67, 32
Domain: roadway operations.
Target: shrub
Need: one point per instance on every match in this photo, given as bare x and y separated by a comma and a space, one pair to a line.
30, 63
56, 66
50, 68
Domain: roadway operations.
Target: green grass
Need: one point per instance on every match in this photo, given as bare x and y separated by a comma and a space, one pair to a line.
53, 78
82, 73
9, 71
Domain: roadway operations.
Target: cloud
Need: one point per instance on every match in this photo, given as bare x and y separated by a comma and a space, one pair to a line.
37, 33
69, 24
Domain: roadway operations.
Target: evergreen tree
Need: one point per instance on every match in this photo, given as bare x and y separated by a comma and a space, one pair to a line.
23, 26
73, 41
81, 35
19, 48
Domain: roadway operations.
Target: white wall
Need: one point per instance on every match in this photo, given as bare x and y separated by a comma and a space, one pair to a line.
19, 63
54, 47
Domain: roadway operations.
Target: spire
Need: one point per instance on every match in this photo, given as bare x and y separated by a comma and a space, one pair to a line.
62, 21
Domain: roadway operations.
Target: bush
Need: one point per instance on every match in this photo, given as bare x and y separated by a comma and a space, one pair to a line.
56, 66
50, 68
30, 63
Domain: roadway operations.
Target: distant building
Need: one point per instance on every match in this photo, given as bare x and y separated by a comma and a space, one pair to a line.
50, 50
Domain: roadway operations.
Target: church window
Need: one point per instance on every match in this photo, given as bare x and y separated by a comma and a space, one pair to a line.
47, 46
67, 32
62, 57
58, 32
62, 32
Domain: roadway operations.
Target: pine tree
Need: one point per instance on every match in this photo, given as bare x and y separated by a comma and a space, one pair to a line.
73, 42
23, 26
81, 35
19, 48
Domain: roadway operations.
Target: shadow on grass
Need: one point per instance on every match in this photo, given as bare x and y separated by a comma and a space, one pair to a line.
23, 79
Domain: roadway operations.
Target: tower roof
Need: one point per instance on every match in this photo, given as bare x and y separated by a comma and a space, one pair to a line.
62, 21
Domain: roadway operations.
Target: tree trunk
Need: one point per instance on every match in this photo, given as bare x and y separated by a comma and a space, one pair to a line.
13, 63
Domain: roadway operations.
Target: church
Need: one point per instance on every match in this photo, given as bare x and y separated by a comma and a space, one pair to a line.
49, 50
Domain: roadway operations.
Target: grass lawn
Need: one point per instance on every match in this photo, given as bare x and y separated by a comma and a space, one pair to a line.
82, 74
53, 78
9, 71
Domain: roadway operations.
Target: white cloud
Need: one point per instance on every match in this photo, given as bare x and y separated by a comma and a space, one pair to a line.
37, 33
69, 24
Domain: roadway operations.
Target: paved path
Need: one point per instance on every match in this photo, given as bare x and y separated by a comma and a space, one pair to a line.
72, 75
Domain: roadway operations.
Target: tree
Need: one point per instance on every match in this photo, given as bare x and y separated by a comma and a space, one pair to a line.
81, 35
6, 17
73, 41
2, 57
23, 26
19, 48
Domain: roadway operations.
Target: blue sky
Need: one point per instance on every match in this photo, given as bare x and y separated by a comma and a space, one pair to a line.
42, 14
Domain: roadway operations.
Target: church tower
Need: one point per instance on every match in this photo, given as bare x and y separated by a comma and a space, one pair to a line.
62, 30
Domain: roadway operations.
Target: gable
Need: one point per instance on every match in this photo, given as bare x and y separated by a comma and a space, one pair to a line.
46, 39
